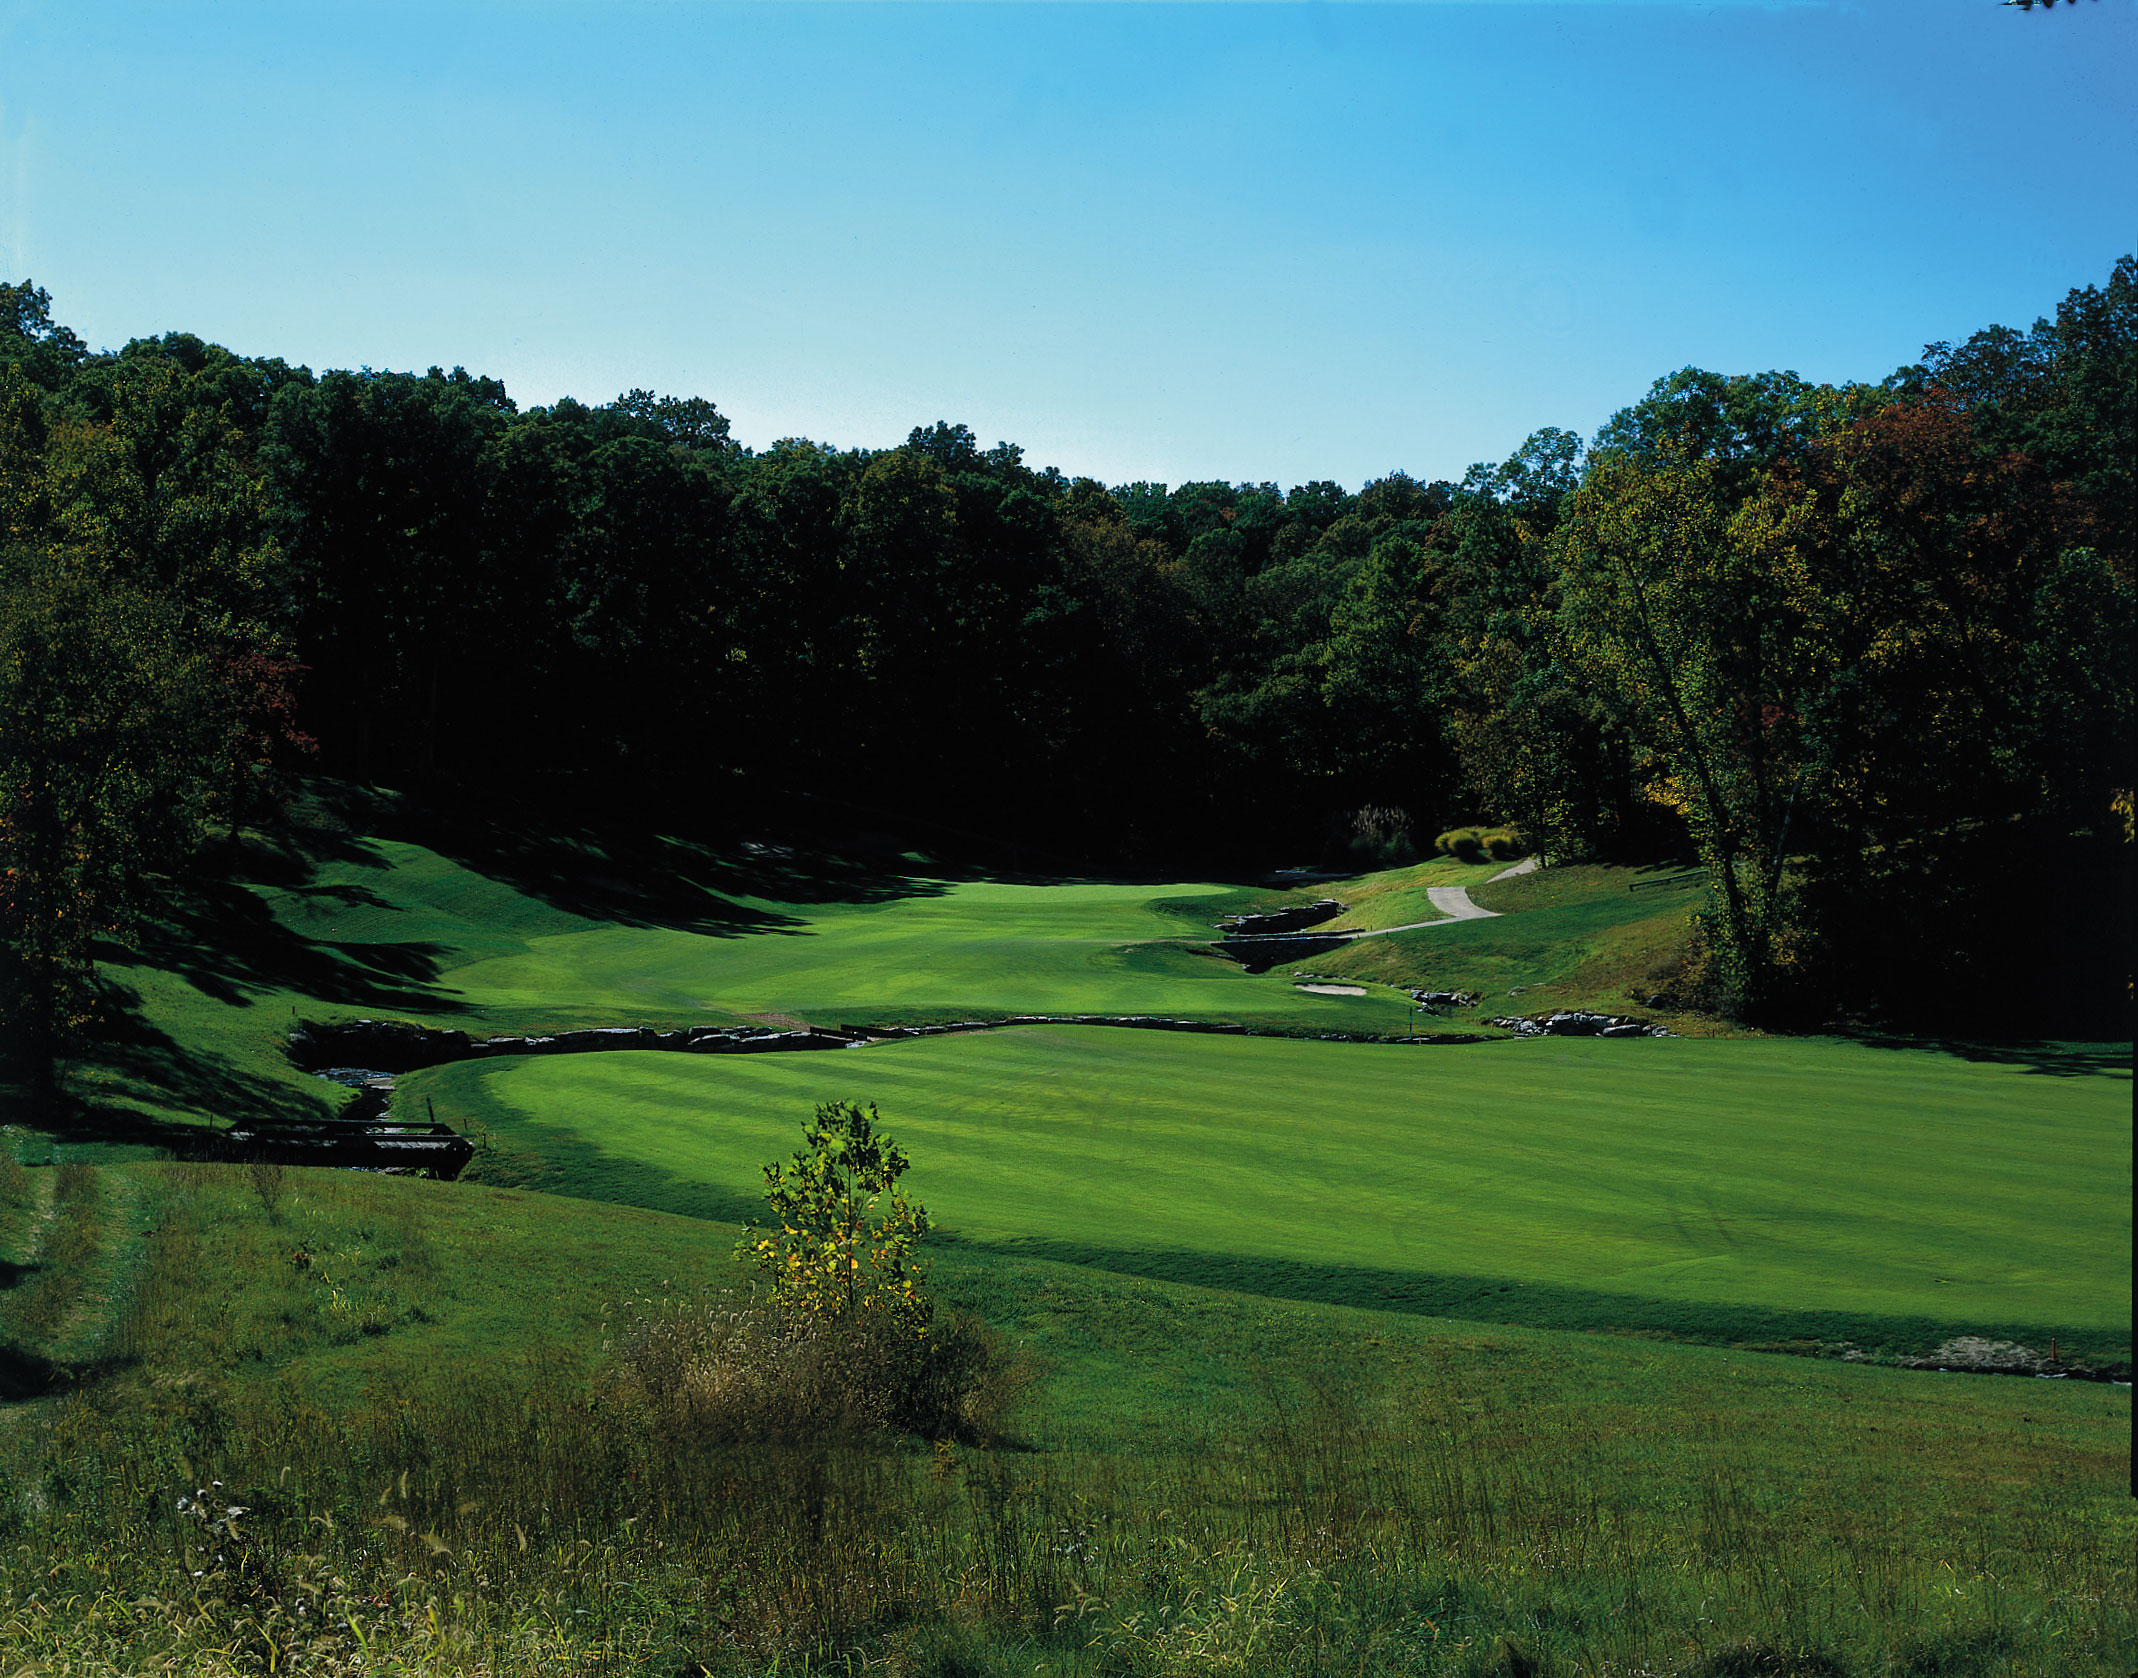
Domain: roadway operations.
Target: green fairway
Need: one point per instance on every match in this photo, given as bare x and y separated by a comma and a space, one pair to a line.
388, 928
967, 949
1757, 1191
384, 928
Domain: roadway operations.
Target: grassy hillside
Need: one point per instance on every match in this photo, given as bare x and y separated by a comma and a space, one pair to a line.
1792, 1193
1587, 936
565, 934
1808, 1191
1296, 1312
436, 1477
1399, 896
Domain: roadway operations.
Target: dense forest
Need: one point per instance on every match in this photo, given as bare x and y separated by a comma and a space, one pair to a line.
1865, 651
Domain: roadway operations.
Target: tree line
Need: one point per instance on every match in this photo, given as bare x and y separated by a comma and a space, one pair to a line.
1863, 649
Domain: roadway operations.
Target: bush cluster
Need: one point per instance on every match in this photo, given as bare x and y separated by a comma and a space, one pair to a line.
1482, 844
1377, 836
720, 1372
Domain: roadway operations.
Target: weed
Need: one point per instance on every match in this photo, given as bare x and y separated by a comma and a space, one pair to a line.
270, 1181
1764, 1660
17, 1186
728, 1373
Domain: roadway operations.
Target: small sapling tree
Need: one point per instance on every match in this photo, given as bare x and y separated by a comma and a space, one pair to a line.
844, 1251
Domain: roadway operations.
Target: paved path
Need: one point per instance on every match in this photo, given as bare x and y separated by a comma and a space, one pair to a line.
1528, 865
1453, 902
1454, 905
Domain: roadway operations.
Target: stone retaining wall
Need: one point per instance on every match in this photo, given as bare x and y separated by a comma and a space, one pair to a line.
394, 1046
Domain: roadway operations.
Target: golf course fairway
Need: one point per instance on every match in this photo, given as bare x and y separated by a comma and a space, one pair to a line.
929, 948
1753, 1190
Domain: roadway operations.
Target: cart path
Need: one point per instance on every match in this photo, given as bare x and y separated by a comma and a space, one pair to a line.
1453, 902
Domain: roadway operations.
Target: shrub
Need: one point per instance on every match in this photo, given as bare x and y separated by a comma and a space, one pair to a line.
723, 1373
966, 1385
269, 1181
849, 1343
1380, 838
1482, 844
846, 1240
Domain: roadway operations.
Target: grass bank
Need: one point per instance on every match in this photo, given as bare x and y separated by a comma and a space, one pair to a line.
1399, 896
1588, 936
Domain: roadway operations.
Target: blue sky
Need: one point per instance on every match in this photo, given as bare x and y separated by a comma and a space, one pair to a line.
1251, 242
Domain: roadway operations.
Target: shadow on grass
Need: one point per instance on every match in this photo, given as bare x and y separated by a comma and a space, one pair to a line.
726, 883
135, 1061
568, 1165
1488, 1299
1259, 955
641, 879
25, 1375
225, 942
2056, 1060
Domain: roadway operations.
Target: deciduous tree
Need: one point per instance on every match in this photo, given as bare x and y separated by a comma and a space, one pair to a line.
845, 1246
109, 745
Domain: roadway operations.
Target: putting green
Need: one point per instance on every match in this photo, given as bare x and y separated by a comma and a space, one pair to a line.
1651, 1183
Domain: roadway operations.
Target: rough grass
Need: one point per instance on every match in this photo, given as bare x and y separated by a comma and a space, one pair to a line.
71, 1237
1801, 1191
1206, 1483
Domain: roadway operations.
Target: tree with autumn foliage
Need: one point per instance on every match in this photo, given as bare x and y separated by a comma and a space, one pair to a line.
1962, 702
1871, 660
1659, 613
142, 677
1846, 642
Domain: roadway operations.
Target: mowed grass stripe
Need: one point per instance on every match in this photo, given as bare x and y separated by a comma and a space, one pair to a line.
1785, 1177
